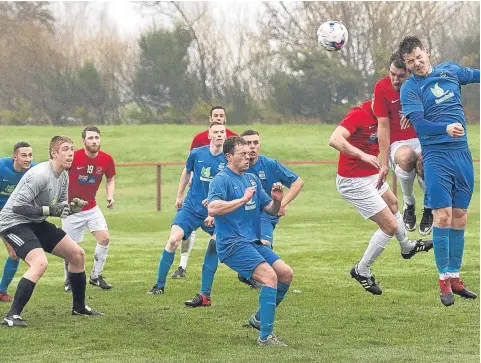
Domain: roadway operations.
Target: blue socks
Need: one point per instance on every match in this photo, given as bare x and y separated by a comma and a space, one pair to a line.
164, 267
456, 249
209, 268
281, 293
267, 302
441, 248
9, 271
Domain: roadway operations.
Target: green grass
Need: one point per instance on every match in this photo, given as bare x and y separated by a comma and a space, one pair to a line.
328, 319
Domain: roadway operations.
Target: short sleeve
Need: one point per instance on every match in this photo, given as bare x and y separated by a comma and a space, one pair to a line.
379, 102
110, 171
284, 175
189, 165
351, 120
217, 189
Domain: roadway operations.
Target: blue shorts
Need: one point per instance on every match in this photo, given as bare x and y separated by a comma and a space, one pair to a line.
267, 230
189, 222
449, 178
243, 258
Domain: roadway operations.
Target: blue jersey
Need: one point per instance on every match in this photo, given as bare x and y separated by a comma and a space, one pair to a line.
270, 171
438, 97
9, 179
242, 225
205, 166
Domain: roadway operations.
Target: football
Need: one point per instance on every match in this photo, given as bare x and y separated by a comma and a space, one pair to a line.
332, 35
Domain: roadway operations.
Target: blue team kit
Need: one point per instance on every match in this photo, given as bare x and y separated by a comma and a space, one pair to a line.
448, 165
204, 166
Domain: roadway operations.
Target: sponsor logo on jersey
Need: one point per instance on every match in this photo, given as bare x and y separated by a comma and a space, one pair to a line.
440, 94
8, 190
205, 174
372, 139
251, 204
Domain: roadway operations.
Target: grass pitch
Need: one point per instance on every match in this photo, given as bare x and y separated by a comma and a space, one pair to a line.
326, 317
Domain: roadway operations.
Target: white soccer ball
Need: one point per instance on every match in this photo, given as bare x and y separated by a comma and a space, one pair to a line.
332, 35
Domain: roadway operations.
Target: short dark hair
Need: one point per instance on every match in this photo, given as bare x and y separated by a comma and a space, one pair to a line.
20, 144
397, 60
408, 44
249, 132
90, 128
231, 142
216, 108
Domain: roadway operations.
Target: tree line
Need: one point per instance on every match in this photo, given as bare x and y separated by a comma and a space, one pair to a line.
269, 68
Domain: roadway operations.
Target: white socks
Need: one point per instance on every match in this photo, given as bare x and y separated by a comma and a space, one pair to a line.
378, 242
185, 249
402, 235
406, 180
100, 255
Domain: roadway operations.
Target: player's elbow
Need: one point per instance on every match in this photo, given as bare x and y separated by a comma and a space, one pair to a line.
333, 141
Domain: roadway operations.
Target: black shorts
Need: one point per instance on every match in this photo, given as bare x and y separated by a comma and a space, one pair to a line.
28, 236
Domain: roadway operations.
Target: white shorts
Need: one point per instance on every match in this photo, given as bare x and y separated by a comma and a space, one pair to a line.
362, 194
414, 143
92, 219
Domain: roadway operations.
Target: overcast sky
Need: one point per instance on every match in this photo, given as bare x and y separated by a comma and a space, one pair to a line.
130, 18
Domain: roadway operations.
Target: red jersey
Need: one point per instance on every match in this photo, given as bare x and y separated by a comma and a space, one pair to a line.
387, 103
202, 139
86, 174
362, 125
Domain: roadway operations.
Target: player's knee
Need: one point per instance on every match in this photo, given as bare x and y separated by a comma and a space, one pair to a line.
172, 244
104, 240
39, 265
459, 219
269, 277
77, 257
442, 218
287, 274
406, 159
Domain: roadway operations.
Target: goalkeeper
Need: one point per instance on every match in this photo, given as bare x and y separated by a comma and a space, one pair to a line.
42, 192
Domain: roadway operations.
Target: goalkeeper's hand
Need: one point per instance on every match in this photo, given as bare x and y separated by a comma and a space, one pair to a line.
77, 204
61, 210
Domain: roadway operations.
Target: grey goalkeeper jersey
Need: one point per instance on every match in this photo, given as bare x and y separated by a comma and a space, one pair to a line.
40, 186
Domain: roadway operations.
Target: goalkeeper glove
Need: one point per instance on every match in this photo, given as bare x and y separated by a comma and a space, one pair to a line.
77, 204
61, 210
